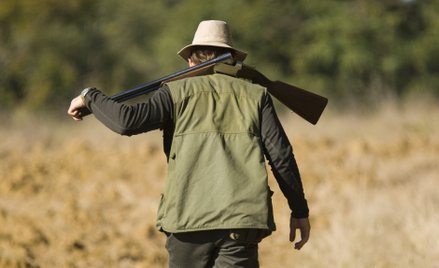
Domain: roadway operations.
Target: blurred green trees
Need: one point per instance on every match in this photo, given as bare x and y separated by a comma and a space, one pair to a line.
345, 49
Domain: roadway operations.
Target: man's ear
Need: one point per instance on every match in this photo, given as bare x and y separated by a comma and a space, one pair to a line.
191, 63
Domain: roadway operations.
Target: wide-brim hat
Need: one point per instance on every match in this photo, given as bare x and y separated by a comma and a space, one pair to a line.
214, 33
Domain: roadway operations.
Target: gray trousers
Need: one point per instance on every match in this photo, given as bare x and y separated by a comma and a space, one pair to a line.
218, 249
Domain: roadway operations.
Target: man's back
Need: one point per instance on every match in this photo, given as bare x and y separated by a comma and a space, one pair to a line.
217, 177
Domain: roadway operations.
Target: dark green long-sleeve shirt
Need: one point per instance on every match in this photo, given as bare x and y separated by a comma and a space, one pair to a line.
157, 112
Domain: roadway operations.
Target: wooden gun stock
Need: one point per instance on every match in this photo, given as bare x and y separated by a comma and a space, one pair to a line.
308, 105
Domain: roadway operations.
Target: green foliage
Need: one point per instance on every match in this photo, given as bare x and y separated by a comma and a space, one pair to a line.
345, 49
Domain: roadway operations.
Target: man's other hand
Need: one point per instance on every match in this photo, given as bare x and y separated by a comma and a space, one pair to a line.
304, 227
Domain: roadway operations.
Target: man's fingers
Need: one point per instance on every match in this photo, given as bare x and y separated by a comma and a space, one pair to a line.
75, 114
293, 226
299, 244
305, 238
292, 234
77, 118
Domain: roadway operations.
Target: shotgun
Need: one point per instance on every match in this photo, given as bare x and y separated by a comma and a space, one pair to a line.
306, 104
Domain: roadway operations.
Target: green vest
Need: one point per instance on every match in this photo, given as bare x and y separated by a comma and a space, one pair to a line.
216, 171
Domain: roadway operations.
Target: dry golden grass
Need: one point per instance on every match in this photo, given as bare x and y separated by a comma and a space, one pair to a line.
76, 195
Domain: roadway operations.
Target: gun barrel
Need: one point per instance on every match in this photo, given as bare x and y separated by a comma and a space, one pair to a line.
155, 84
151, 86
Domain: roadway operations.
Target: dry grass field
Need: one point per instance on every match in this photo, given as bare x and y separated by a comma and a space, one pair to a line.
76, 195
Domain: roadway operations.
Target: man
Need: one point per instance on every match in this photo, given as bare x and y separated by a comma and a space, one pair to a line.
216, 206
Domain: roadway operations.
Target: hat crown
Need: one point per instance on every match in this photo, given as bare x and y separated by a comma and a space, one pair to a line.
213, 31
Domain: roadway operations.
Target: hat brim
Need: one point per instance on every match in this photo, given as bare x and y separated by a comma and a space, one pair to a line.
185, 51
